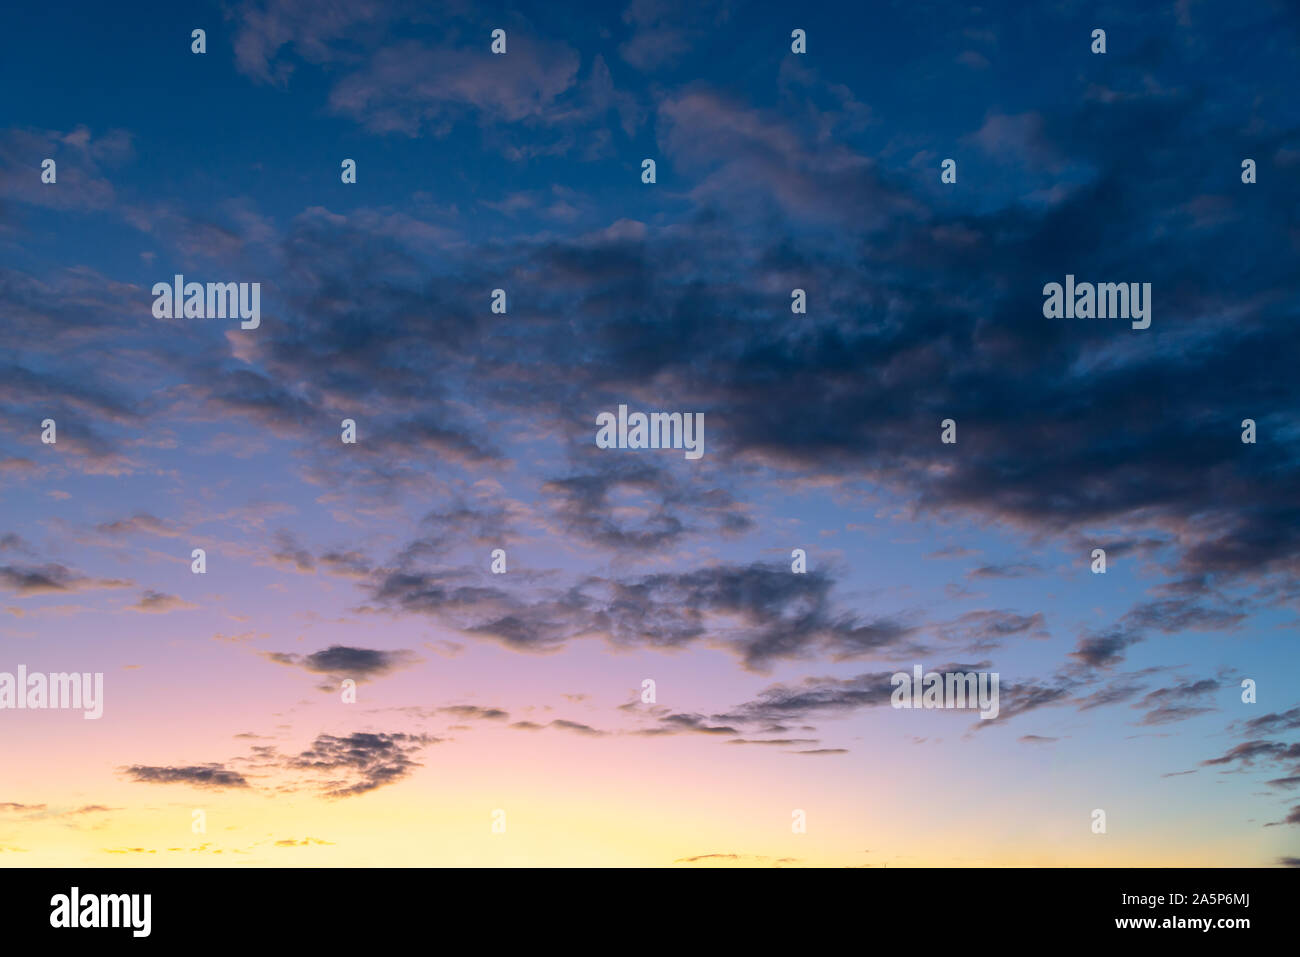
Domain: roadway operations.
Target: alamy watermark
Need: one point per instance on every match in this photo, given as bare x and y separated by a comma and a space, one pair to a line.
58, 690
1105, 300
953, 689
75, 909
654, 430
214, 300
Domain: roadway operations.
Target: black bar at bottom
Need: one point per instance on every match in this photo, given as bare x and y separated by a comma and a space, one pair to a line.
939, 907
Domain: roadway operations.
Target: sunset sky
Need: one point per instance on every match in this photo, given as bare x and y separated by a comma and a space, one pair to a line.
521, 692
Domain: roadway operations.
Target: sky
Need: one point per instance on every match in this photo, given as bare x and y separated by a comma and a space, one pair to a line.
650, 676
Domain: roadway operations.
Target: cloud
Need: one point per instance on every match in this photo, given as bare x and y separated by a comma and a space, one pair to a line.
661, 32
342, 661
210, 776
770, 614
360, 762
410, 87
1273, 722
1178, 702
562, 724
1168, 616
1100, 651
11, 542
777, 742
1250, 751
289, 553
815, 696
1021, 136
267, 31
1011, 570
576, 727
458, 524
665, 515
469, 711
749, 859
83, 163
985, 630
938, 345
141, 523
153, 602
52, 579
1020, 697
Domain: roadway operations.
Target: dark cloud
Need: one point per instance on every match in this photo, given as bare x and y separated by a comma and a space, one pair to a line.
458, 525
360, 762
52, 579
695, 723
141, 523
342, 661
779, 615
1178, 702
288, 552
815, 696
1021, 697
1273, 722
564, 725
985, 630
778, 742
474, 711
1100, 651
213, 776
832, 697
669, 509
1250, 751
916, 297
1169, 616
1010, 570
577, 727
1114, 692
952, 551
774, 613
1169, 714
11, 541
154, 602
